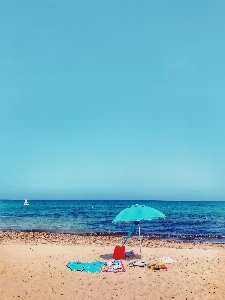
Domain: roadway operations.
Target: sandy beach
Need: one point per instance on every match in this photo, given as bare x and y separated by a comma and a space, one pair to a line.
33, 266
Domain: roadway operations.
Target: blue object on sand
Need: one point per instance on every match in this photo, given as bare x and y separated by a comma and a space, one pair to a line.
86, 266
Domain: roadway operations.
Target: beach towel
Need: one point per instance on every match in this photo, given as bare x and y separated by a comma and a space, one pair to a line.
114, 266
167, 260
86, 266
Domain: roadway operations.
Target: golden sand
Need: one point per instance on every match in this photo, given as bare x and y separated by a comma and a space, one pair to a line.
33, 266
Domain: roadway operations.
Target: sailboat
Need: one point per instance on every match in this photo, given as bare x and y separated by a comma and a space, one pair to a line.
26, 202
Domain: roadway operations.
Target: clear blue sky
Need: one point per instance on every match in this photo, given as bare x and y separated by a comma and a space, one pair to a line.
112, 99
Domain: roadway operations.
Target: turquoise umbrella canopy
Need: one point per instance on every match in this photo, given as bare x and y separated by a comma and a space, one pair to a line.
138, 213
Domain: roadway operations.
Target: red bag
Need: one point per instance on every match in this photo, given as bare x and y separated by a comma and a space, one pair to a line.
119, 252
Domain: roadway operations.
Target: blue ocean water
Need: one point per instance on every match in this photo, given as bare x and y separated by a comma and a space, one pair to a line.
185, 220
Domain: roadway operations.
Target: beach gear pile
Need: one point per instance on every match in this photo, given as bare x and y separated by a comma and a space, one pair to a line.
114, 266
160, 263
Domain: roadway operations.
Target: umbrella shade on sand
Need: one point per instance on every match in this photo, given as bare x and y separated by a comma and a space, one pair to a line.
137, 213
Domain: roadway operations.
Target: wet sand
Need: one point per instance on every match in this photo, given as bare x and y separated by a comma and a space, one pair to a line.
33, 266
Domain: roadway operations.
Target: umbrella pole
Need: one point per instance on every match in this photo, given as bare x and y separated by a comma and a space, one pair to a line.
139, 229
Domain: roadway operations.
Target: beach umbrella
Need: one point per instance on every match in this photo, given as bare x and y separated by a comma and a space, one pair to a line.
137, 213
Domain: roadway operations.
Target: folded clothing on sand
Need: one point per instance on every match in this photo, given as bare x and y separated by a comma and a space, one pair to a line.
138, 264
129, 254
160, 265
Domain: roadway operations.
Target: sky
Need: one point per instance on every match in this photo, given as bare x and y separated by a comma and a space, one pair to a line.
112, 100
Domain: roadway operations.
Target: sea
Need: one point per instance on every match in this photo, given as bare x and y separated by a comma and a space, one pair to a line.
199, 221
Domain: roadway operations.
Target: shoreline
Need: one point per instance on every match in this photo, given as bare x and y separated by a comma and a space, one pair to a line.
36, 234
34, 237
33, 266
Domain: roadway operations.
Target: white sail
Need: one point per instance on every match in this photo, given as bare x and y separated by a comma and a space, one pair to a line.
26, 202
